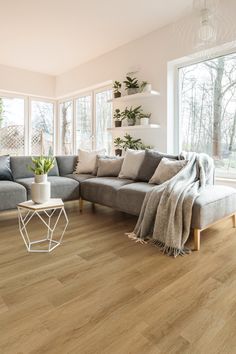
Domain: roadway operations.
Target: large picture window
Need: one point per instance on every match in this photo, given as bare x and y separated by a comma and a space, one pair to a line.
66, 128
207, 111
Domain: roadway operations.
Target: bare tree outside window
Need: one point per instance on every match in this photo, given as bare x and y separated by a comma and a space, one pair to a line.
84, 122
208, 111
12, 129
103, 120
66, 136
42, 128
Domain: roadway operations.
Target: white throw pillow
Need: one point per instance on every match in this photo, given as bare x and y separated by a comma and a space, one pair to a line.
87, 160
131, 165
167, 169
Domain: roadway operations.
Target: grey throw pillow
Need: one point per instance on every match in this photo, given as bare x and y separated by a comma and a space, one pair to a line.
109, 167
151, 161
166, 170
5, 169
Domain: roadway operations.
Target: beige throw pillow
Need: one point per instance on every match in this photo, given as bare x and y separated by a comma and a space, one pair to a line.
166, 170
87, 160
109, 167
131, 165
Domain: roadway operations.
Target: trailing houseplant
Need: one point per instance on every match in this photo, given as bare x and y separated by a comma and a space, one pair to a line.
116, 89
131, 85
117, 117
131, 114
118, 143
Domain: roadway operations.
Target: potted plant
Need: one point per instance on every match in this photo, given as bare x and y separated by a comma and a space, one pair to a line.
40, 188
131, 85
145, 87
131, 114
118, 143
117, 118
130, 143
144, 118
116, 88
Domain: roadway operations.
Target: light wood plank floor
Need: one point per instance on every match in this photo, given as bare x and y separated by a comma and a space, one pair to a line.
101, 293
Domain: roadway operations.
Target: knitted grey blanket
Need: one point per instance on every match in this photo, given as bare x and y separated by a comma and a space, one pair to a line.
165, 217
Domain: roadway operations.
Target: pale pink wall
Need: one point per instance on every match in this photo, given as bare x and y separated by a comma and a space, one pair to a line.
150, 54
26, 82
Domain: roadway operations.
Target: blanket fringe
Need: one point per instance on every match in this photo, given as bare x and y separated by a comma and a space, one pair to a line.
134, 237
170, 251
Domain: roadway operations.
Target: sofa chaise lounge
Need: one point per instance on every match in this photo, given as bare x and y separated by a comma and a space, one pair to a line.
213, 204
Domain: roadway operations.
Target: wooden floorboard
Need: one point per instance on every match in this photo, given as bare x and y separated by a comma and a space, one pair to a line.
99, 292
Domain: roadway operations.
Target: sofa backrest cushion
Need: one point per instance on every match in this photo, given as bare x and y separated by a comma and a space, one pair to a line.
5, 169
66, 164
20, 169
151, 160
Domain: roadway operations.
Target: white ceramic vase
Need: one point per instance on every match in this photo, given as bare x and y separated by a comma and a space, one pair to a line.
147, 88
144, 121
40, 189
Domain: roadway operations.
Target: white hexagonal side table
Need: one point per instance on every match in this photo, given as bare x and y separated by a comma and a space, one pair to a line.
26, 212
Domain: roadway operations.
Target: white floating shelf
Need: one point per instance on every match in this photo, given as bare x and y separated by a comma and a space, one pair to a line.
134, 127
135, 96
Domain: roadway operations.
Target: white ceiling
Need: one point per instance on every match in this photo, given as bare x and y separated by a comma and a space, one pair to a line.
53, 36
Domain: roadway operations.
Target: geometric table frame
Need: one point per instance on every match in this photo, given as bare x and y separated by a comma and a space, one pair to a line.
48, 210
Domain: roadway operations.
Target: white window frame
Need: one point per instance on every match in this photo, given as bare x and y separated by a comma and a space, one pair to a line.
92, 93
46, 100
27, 117
174, 142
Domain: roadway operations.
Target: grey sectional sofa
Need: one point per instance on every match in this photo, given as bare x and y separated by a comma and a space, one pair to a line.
213, 204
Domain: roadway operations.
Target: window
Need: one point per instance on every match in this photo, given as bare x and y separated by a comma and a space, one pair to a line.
42, 134
87, 124
207, 110
103, 120
84, 124
66, 128
12, 126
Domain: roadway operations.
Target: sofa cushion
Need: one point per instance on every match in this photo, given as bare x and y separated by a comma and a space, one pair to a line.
19, 167
213, 204
151, 161
167, 169
87, 160
5, 170
11, 194
80, 178
102, 190
109, 167
130, 197
131, 164
61, 187
66, 164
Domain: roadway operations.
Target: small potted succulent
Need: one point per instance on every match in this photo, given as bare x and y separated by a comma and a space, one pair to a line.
117, 118
145, 87
118, 143
144, 118
116, 89
131, 85
131, 114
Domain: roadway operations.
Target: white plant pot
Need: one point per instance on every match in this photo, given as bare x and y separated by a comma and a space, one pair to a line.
147, 88
144, 121
41, 191
40, 178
